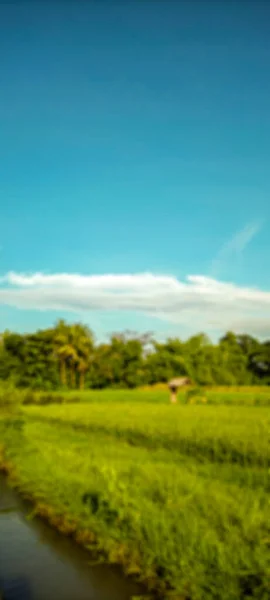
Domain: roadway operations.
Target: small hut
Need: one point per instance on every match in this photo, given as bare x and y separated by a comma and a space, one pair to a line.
175, 384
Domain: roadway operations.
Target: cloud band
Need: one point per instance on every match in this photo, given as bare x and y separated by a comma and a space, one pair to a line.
198, 301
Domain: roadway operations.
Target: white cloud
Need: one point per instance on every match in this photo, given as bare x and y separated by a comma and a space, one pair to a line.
198, 302
234, 247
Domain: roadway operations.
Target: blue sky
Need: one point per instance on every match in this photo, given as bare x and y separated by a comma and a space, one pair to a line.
135, 138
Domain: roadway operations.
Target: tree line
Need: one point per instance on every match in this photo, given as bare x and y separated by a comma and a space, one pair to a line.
66, 356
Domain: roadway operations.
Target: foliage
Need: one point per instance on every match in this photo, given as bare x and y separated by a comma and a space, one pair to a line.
10, 397
196, 395
192, 515
73, 346
66, 357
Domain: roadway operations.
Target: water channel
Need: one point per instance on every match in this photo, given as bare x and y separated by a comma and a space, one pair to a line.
37, 563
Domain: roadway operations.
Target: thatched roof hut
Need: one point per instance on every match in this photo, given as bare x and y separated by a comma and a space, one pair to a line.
176, 383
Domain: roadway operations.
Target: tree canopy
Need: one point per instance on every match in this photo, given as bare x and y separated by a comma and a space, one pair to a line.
66, 356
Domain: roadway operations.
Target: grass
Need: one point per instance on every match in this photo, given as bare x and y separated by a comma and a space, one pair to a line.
239, 396
232, 434
179, 495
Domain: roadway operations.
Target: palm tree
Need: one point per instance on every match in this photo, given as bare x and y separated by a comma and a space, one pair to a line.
82, 339
72, 359
73, 347
63, 348
82, 367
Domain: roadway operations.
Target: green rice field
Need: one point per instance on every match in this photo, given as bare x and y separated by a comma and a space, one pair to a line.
179, 495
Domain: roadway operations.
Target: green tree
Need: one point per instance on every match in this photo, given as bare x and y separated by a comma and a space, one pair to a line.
73, 347
82, 341
66, 355
63, 348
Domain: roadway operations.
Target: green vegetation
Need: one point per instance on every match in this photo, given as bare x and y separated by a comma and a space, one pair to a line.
247, 396
226, 435
179, 495
66, 357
